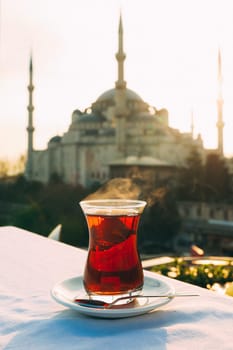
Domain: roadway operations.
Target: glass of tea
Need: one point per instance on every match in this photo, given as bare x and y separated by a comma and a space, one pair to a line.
113, 267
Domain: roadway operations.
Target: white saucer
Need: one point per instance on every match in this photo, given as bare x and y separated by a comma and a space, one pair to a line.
65, 292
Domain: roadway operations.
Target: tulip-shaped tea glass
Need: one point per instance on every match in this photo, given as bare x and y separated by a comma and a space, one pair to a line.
113, 267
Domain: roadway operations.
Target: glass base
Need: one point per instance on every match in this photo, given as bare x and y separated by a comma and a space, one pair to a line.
110, 298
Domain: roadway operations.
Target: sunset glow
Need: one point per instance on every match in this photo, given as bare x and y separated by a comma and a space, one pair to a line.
171, 62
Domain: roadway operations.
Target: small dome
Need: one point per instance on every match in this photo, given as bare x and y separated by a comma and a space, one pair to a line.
55, 139
110, 95
77, 112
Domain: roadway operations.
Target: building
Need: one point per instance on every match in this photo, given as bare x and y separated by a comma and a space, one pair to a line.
210, 225
118, 134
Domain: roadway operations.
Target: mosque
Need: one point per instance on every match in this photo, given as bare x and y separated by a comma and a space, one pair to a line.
118, 135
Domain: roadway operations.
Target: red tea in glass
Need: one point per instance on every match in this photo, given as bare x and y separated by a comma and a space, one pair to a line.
113, 264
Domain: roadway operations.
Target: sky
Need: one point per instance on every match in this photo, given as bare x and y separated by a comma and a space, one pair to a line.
171, 61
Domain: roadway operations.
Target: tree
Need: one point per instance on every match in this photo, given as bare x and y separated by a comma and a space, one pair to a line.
4, 168
191, 178
31, 218
41, 207
8, 168
19, 166
59, 202
160, 221
217, 179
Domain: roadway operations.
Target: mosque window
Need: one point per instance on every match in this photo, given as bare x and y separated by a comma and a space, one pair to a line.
91, 132
211, 213
225, 214
198, 211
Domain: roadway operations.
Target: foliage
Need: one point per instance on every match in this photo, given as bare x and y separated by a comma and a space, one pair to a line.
4, 168
60, 205
207, 181
11, 168
160, 221
39, 208
200, 275
19, 190
217, 179
42, 207
32, 218
191, 178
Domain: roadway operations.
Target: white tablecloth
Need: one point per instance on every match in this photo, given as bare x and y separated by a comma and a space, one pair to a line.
30, 265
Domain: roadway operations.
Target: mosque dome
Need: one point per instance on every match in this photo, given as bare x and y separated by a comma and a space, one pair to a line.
110, 95
55, 139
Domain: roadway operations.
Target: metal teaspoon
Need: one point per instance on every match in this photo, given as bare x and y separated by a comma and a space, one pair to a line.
104, 305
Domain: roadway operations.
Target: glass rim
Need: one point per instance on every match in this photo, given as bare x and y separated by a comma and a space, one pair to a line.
112, 203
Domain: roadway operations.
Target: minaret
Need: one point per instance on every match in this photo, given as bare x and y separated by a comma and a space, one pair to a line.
220, 123
120, 94
120, 56
30, 128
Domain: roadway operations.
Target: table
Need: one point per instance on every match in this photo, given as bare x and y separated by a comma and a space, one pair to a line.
30, 319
